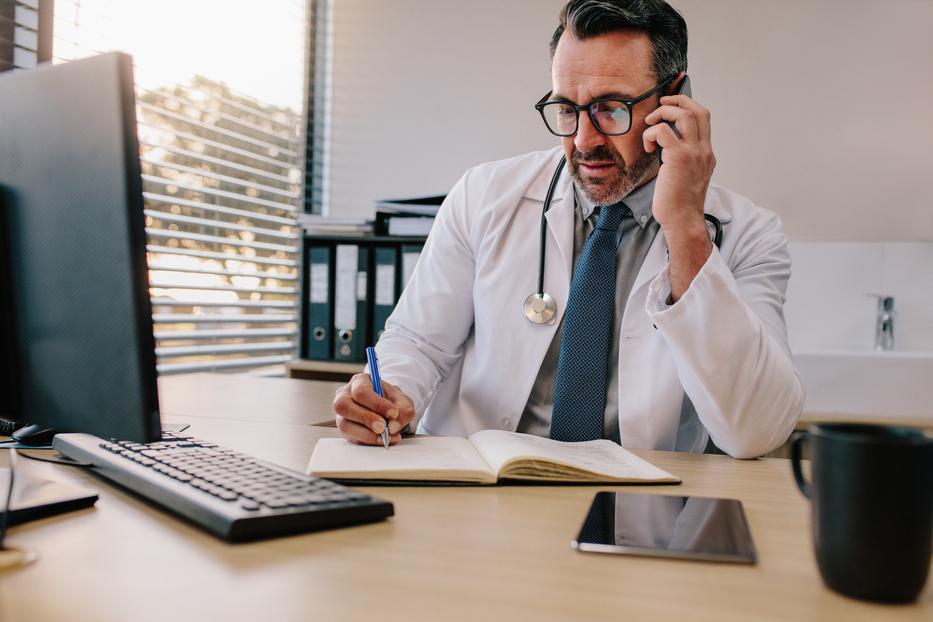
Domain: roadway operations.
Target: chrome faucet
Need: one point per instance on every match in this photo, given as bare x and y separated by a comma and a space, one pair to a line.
884, 325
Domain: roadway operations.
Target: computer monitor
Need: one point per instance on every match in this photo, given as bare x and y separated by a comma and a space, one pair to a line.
9, 376
82, 345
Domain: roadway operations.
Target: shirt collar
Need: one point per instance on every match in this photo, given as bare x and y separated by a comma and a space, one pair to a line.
638, 201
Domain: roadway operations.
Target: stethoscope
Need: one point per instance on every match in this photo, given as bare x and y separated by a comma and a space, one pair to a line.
539, 307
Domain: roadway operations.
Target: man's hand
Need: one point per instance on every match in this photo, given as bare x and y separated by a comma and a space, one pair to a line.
361, 414
687, 166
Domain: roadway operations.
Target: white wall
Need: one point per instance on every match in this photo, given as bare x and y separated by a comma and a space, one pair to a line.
821, 110
424, 89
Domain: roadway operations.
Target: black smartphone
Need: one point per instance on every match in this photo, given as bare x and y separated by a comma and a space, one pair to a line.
682, 89
694, 528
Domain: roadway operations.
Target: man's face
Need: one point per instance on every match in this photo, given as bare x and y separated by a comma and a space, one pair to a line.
606, 168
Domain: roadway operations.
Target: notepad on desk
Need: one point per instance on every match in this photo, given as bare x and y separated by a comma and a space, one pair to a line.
486, 457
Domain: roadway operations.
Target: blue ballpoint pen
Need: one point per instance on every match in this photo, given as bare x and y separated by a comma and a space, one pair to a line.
377, 387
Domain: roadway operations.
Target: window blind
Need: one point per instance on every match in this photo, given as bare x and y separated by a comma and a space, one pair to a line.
25, 33
223, 178
221, 184
319, 93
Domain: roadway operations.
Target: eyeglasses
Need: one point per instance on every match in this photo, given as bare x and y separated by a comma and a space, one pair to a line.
609, 115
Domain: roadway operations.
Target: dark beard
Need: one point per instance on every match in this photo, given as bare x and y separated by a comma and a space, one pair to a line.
613, 190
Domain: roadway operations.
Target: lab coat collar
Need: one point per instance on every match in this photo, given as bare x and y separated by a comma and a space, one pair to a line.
537, 190
716, 208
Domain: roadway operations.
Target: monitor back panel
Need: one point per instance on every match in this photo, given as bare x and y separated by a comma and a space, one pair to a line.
69, 164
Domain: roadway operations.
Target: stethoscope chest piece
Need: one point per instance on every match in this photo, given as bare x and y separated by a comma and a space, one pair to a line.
540, 308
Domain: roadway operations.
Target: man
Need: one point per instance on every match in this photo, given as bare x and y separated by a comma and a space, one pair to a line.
661, 339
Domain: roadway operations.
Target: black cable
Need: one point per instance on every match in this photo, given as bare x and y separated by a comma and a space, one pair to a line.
4, 518
65, 461
717, 229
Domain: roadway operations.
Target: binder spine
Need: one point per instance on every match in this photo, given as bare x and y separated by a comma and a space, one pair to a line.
351, 286
350, 302
362, 337
318, 334
385, 287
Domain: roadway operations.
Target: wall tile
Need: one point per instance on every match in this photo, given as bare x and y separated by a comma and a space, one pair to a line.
908, 276
827, 306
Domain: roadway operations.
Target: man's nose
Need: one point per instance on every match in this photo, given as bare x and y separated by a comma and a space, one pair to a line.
587, 136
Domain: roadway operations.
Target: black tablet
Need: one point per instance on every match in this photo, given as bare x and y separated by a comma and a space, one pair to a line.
697, 528
35, 497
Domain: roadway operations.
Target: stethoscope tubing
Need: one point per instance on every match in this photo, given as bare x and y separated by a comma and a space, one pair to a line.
547, 206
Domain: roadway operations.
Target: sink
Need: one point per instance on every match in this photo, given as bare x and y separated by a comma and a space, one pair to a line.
867, 382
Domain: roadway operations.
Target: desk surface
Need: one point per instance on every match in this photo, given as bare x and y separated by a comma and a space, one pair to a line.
448, 554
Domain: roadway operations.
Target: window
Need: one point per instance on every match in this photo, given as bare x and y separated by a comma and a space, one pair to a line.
24, 33
221, 92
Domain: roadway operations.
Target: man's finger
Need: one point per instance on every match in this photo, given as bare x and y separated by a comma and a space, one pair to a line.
362, 392
702, 114
660, 135
352, 411
406, 408
356, 433
684, 119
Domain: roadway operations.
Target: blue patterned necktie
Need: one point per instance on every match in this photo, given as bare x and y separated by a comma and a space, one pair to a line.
583, 363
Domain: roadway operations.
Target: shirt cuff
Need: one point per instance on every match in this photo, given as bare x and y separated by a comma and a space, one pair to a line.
660, 297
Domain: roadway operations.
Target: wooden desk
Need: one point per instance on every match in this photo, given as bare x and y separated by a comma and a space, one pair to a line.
332, 371
247, 398
496, 553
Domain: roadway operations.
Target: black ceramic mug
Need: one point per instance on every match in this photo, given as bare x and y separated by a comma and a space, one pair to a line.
872, 497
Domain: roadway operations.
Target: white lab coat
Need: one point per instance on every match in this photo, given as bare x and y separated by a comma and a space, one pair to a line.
459, 345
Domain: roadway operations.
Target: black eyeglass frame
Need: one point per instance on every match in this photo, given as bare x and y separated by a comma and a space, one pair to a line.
588, 107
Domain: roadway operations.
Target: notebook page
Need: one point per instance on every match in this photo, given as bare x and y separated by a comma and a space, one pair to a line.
601, 457
418, 458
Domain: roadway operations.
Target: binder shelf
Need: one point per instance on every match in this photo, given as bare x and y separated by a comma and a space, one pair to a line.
350, 285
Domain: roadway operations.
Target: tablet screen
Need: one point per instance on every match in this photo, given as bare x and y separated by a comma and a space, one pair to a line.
700, 528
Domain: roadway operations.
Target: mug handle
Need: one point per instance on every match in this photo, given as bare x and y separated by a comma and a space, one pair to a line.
796, 455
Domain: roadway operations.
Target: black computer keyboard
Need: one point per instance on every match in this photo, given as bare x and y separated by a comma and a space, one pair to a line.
231, 494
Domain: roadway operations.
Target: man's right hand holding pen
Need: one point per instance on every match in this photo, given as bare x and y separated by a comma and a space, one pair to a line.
362, 415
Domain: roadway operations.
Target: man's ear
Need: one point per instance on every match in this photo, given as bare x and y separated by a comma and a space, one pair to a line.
680, 85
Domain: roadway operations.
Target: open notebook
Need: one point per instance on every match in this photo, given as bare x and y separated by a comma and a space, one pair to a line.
484, 458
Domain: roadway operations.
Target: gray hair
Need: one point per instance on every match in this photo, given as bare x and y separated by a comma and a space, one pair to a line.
660, 21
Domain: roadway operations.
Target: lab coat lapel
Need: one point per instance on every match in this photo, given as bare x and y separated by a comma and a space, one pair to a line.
560, 235
654, 262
